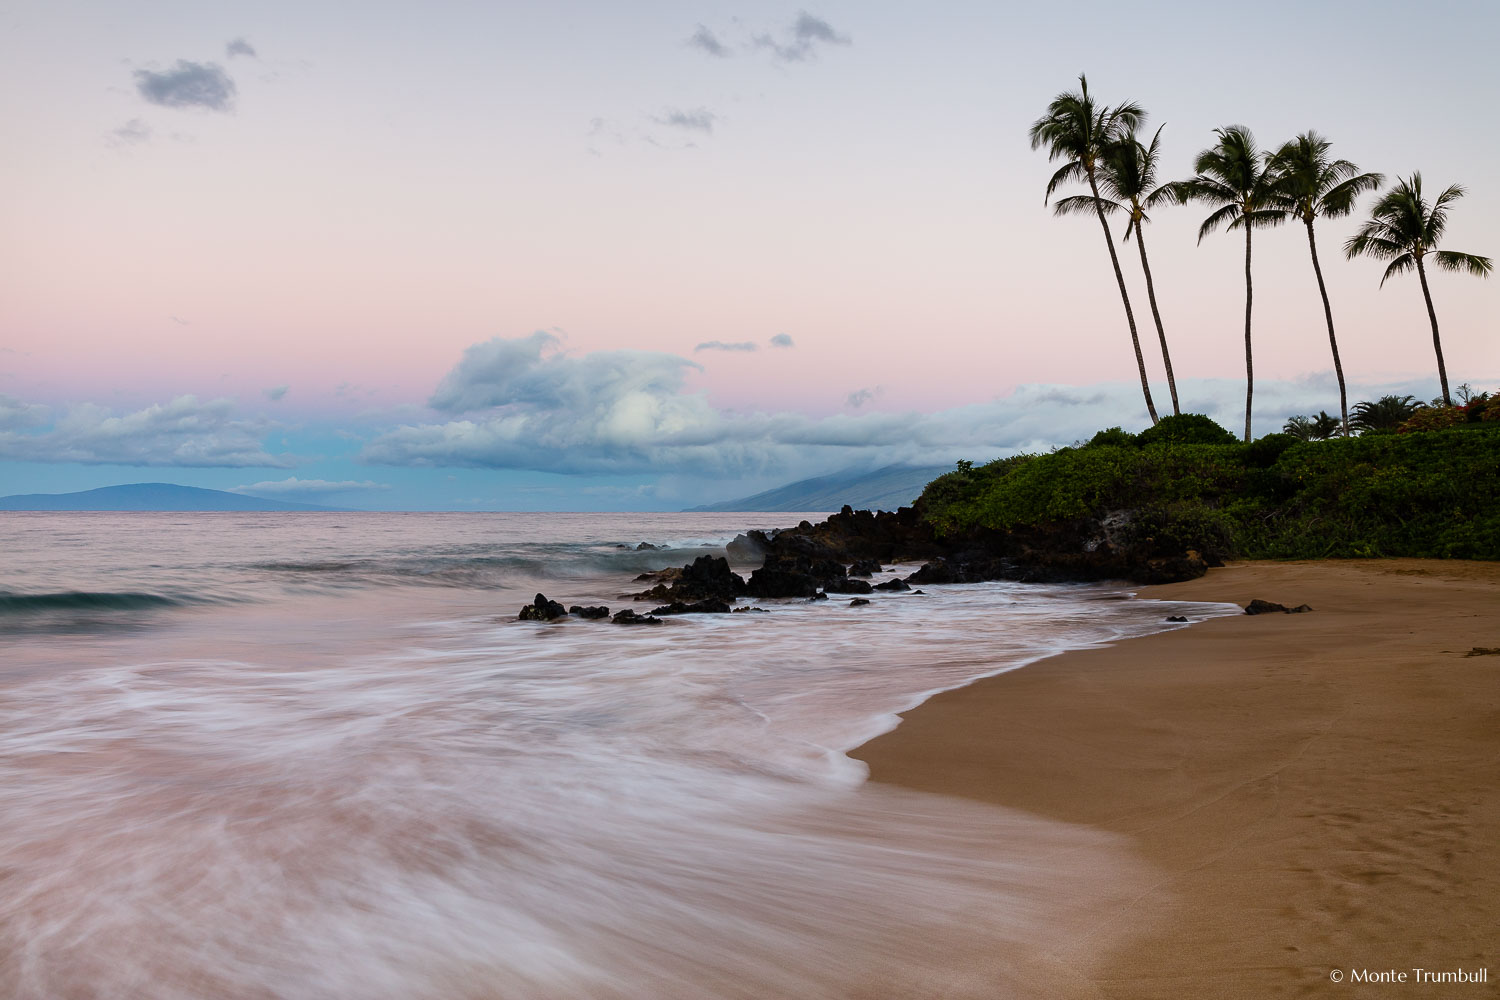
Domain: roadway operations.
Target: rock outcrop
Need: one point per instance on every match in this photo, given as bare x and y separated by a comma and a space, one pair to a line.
541, 610
705, 578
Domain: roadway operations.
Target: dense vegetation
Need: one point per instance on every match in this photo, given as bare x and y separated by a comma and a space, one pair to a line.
1190, 485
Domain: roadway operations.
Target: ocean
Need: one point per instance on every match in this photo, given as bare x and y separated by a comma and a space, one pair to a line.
316, 756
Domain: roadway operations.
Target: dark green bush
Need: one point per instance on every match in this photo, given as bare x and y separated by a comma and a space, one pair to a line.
1117, 437
1185, 428
1262, 453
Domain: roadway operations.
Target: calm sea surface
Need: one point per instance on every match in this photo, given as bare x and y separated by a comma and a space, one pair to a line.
316, 756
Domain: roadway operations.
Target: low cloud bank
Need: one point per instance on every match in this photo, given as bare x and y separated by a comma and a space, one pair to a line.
183, 432
526, 404
294, 487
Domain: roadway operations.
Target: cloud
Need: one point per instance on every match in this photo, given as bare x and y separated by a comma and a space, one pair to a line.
697, 119
294, 487
859, 397
706, 40
782, 340
187, 85
801, 39
132, 133
524, 404
240, 47
275, 393
719, 345
15, 413
183, 432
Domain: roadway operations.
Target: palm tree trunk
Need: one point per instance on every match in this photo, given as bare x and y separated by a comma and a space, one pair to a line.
1338, 368
1140, 360
1249, 364
1166, 357
1437, 344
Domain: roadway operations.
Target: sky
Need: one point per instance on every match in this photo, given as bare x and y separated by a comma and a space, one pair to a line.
586, 255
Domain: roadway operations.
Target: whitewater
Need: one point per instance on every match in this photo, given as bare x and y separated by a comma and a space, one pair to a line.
317, 756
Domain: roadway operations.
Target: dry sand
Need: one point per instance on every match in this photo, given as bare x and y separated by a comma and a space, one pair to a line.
1317, 792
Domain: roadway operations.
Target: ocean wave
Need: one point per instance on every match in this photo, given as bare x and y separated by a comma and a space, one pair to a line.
470, 567
84, 600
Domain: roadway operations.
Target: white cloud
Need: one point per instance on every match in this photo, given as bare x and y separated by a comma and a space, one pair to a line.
15, 413
183, 432
275, 392
294, 487
239, 47
782, 340
520, 404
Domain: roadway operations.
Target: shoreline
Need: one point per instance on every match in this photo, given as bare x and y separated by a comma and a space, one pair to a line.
1315, 790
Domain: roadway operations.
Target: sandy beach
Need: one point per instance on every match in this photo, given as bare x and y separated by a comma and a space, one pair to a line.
1316, 792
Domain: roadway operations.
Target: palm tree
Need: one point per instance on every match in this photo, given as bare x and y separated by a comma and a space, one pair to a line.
1078, 131
1309, 184
1405, 230
1128, 174
1386, 413
1234, 176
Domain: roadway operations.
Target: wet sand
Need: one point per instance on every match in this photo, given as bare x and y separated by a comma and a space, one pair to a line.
1316, 792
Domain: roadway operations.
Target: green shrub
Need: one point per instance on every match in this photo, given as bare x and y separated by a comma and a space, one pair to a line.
1116, 437
1185, 428
1262, 453
1433, 418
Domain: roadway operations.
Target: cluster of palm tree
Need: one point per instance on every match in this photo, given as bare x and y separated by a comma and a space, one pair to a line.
1248, 189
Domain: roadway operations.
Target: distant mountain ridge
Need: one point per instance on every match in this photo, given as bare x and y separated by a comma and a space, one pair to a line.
152, 496
884, 489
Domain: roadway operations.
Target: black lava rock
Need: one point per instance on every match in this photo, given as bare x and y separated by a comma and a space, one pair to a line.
630, 617
541, 610
1260, 607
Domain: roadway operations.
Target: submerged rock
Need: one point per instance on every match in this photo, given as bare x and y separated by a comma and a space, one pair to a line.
630, 617
747, 610
893, 585
708, 607
858, 601
1176, 619
589, 612
541, 610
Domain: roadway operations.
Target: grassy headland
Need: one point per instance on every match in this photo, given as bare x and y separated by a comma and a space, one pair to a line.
1185, 483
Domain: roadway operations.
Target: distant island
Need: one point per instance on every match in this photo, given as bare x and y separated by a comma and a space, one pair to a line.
152, 496
889, 488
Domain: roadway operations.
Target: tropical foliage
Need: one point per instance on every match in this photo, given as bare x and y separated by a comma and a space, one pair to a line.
1384, 414
1415, 494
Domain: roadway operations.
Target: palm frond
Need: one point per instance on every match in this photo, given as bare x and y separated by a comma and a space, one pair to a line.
1227, 214
1340, 199
1400, 265
1451, 260
1372, 241
1083, 204
1068, 172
